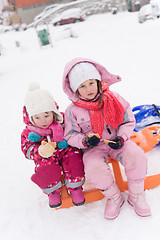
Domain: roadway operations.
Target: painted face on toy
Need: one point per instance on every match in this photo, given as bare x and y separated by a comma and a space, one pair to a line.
88, 89
43, 120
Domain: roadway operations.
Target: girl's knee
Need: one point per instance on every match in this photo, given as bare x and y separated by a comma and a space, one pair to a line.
135, 162
73, 165
99, 175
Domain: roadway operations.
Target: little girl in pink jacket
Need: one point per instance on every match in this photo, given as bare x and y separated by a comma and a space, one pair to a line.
100, 122
42, 141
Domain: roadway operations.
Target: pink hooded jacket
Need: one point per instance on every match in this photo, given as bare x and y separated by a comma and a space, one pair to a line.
77, 119
27, 146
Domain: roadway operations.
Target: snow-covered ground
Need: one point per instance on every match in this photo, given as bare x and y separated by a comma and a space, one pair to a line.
124, 47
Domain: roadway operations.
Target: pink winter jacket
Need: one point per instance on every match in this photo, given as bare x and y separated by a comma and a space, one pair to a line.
30, 149
77, 119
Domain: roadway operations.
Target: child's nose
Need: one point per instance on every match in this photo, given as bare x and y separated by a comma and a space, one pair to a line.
43, 120
88, 89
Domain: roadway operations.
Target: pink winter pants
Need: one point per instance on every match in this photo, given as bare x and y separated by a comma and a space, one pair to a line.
48, 174
98, 172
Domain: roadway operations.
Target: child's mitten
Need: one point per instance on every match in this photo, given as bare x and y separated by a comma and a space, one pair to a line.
91, 140
119, 143
63, 144
46, 149
34, 137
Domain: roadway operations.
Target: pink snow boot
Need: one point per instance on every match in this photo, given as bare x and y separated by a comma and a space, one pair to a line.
55, 199
114, 202
77, 196
137, 198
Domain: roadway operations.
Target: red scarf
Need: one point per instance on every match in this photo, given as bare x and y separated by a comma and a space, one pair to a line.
113, 110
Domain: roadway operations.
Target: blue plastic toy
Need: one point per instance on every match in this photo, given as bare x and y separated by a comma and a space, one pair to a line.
146, 115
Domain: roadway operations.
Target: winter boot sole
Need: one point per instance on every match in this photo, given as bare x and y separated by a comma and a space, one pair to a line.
55, 205
139, 214
112, 218
79, 204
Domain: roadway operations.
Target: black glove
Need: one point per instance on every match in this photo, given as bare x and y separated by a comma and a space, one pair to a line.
119, 143
91, 142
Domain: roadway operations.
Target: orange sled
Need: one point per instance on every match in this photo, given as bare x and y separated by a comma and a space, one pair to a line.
146, 139
90, 195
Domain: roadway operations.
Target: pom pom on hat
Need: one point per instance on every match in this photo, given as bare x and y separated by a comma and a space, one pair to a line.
81, 72
33, 86
38, 100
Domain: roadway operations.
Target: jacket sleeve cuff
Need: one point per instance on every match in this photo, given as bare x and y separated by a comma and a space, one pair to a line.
82, 144
124, 136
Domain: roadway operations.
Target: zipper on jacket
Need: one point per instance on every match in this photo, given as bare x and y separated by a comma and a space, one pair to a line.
108, 129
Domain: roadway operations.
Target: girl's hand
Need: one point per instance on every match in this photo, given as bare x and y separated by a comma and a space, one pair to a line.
119, 142
63, 144
91, 141
34, 137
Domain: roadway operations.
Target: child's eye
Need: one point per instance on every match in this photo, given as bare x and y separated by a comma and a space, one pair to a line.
37, 118
91, 83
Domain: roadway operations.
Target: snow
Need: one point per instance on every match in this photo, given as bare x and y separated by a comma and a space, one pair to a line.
124, 47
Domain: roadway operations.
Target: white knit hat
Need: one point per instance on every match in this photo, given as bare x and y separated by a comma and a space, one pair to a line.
81, 72
39, 100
